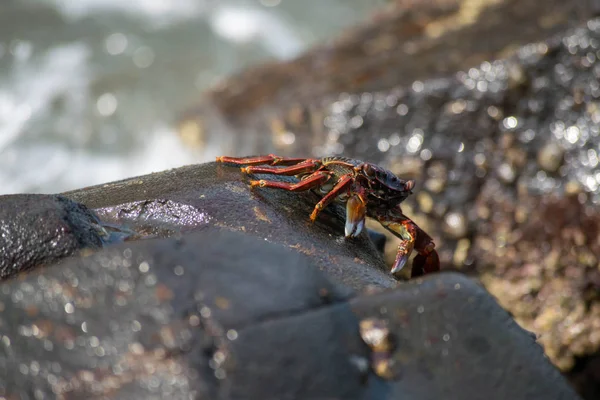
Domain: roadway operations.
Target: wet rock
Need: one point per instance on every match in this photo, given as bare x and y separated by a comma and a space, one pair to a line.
377, 335
506, 173
451, 339
589, 373
38, 230
517, 134
546, 270
550, 157
196, 197
438, 176
456, 225
378, 239
196, 317
425, 202
405, 43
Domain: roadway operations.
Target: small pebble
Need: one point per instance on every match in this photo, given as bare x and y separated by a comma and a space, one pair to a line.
550, 157
456, 224
425, 202
507, 173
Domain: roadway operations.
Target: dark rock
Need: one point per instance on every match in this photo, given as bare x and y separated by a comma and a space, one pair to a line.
378, 239
452, 340
496, 127
200, 196
405, 42
179, 317
531, 233
41, 229
195, 317
586, 370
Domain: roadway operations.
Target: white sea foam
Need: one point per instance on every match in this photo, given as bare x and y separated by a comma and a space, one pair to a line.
44, 168
60, 131
251, 24
159, 12
35, 165
31, 86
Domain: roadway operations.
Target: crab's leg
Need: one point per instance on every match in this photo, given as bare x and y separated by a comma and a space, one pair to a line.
271, 159
343, 183
407, 233
310, 182
426, 261
303, 167
412, 237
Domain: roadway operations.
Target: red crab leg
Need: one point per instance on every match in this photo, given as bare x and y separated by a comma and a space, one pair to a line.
311, 182
427, 262
415, 238
342, 183
271, 159
303, 167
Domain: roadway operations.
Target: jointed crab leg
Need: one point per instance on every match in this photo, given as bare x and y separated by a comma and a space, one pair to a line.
312, 181
366, 188
303, 167
426, 261
407, 231
342, 184
271, 159
412, 237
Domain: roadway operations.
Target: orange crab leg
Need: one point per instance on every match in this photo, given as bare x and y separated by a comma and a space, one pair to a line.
271, 159
311, 182
303, 167
343, 183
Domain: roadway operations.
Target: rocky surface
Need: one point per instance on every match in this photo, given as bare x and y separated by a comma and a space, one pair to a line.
405, 42
196, 317
455, 356
193, 197
518, 204
173, 318
37, 230
499, 127
505, 154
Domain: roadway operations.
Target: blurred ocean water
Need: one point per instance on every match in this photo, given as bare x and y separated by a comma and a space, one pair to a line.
89, 89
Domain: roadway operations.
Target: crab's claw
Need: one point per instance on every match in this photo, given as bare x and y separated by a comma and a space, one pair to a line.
404, 250
355, 215
412, 238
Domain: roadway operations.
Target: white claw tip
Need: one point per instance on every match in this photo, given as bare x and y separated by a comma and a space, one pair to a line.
348, 229
399, 264
353, 229
359, 228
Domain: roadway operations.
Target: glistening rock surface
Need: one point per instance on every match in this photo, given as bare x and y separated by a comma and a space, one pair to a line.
37, 230
499, 127
195, 317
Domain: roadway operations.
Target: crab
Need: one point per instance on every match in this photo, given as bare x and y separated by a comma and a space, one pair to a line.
365, 188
